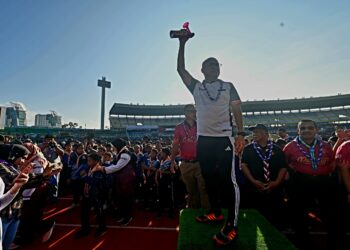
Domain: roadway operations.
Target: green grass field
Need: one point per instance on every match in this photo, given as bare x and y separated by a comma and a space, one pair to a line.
254, 232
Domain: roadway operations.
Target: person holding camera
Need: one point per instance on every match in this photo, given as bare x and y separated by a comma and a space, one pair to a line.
53, 153
218, 113
51, 149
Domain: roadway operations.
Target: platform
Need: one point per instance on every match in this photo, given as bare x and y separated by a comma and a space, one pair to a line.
254, 232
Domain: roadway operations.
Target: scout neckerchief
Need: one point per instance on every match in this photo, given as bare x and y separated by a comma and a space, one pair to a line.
265, 158
311, 154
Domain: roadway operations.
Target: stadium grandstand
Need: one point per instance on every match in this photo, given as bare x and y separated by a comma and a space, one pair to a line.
327, 111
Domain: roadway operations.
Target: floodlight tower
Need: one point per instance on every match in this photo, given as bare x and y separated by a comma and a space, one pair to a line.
103, 84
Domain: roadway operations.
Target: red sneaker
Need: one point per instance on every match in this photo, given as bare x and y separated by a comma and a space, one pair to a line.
226, 236
211, 217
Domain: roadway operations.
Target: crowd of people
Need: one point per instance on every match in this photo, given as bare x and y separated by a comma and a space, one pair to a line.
211, 163
280, 181
105, 176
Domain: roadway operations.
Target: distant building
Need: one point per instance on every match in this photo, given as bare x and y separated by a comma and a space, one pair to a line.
2, 117
48, 120
15, 115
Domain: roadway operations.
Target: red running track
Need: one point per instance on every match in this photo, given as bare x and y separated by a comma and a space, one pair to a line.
145, 232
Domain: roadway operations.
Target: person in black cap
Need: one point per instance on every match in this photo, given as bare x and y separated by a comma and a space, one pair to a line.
264, 165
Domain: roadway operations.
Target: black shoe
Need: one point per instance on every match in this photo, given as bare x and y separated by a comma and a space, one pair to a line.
225, 236
100, 231
82, 233
48, 233
126, 221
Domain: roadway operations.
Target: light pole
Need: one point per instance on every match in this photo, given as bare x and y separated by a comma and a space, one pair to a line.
103, 84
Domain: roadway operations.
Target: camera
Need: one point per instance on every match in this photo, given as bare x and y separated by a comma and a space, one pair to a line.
183, 33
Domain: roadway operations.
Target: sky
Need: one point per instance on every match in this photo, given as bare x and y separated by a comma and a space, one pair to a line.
53, 52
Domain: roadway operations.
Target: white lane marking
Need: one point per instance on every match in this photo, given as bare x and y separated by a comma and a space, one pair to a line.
313, 233
123, 227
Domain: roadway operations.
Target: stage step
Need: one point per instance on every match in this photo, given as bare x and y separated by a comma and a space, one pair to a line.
254, 232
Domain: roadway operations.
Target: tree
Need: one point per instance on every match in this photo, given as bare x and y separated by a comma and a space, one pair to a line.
70, 125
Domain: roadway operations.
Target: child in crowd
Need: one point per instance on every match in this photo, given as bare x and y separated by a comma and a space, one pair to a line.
164, 180
107, 161
150, 173
66, 171
93, 196
77, 162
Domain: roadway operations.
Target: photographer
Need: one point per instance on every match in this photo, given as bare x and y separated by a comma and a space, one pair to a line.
53, 153
51, 149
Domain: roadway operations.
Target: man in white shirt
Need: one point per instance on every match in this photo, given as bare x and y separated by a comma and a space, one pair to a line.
218, 112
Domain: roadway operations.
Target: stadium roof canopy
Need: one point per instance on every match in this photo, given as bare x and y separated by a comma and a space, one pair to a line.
248, 106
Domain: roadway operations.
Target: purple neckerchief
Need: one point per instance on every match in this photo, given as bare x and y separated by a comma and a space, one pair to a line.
9, 165
3, 161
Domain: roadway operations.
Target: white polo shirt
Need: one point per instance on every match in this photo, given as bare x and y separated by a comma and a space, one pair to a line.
213, 107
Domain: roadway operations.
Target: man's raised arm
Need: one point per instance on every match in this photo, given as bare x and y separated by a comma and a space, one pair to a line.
185, 76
